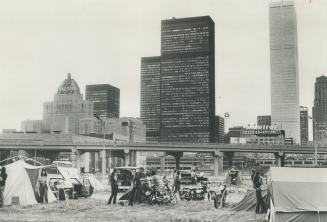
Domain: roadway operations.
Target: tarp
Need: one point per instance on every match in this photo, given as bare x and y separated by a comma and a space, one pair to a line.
249, 201
298, 194
21, 182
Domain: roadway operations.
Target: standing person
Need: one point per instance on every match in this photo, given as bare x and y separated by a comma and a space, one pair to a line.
3, 178
252, 178
43, 186
261, 206
114, 187
136, 193
177, 183
201, 176
138, 184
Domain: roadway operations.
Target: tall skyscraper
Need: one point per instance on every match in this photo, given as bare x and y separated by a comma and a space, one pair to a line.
304, 125
150, 97
184, 74
187, 80
264, 120
105, 98
284, 68
319, 111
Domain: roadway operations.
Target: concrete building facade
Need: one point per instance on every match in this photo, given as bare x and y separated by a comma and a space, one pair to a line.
304, 125
63, 114
36, 126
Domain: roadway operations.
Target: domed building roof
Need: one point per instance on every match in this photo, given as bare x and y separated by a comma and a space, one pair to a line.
69, 86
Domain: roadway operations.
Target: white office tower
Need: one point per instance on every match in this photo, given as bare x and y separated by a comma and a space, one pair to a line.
284, 69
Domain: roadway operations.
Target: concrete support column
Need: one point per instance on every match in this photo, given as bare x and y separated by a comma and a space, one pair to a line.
162, 164
103, 162
177, 156
229, 156
135, 158
280, 159
178, 162
74, 157
126, 152
96, 161
218, 163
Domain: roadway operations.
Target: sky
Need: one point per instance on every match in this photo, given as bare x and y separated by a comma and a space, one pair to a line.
102, 41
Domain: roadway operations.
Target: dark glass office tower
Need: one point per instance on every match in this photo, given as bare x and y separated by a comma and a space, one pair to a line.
105, 98
319, 110
178, 88
187, 100
264, 120
150, 97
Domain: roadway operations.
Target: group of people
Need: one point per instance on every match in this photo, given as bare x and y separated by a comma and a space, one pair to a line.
257, 181
140, 183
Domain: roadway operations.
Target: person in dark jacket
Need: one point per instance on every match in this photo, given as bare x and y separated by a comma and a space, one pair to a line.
177, 183
114, 186
138, 184
3, 178
261, 206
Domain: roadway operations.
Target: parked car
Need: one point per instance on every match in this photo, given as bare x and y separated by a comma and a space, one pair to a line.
125, 177
71, 187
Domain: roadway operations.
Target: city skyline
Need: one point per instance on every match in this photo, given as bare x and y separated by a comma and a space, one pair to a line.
43, 52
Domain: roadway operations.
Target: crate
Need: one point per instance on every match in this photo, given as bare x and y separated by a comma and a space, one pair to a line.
15, 200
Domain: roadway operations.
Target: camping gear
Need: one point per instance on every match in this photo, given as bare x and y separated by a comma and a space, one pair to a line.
298, 194
233, 177
249, 201
21, 184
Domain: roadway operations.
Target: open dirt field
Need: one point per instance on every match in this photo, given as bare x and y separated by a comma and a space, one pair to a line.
94, 209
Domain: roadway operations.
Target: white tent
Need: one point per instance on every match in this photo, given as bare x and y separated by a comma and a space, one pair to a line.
96, 184
21, 182
298, 194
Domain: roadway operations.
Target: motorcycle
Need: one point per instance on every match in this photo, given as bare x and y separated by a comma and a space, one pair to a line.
196, 193
220, 198
161, 196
